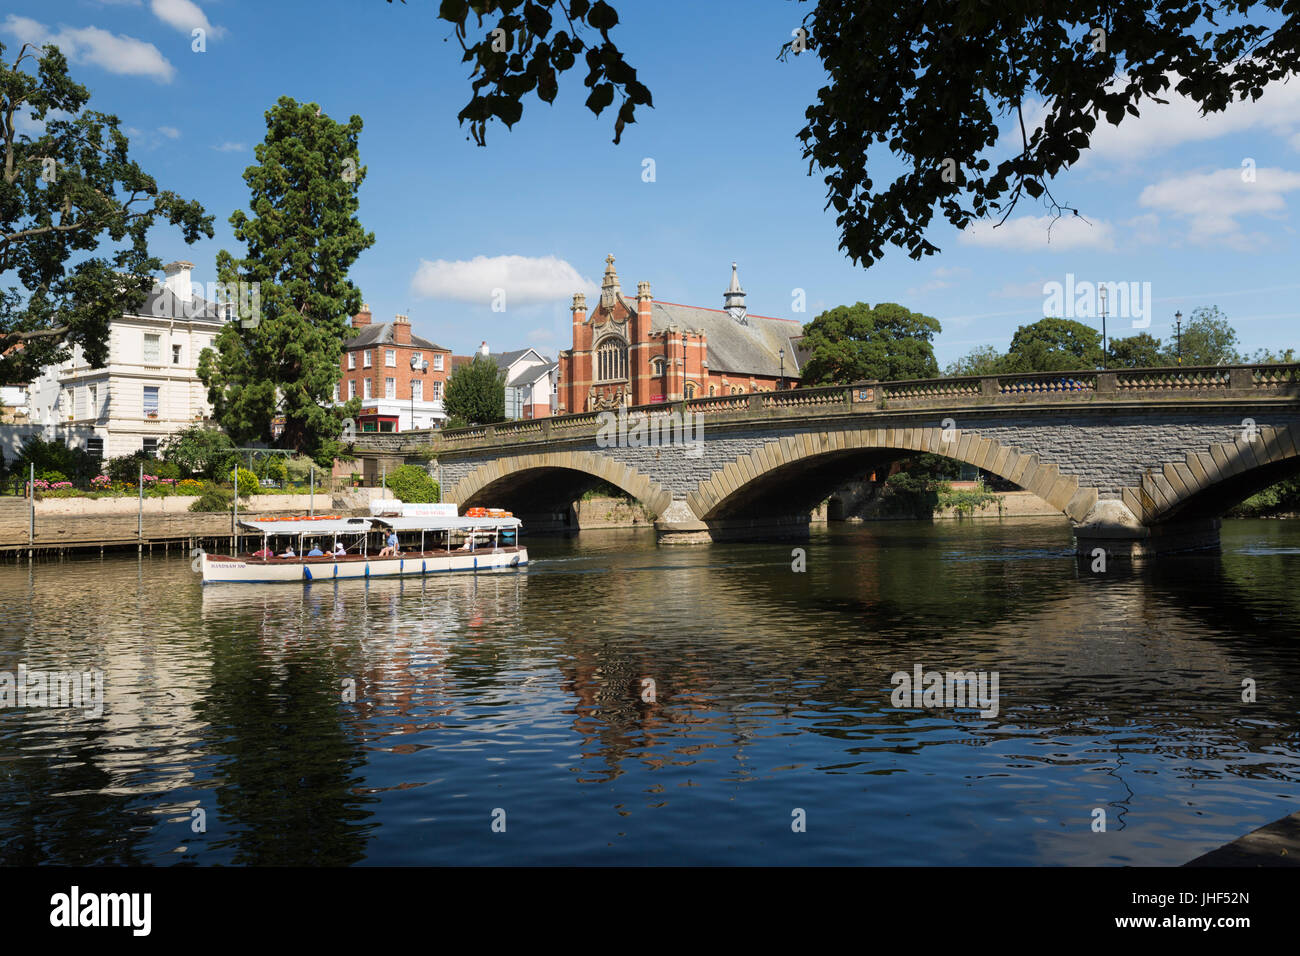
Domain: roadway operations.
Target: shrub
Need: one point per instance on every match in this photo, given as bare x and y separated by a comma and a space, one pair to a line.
299, 468
126, 468
202, 451
248, 483
412, 483
51, 475
54, 456
213, 499
188, 486
167, 469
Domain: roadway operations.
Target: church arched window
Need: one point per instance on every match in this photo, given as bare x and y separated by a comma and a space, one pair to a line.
611, 360
657, 367
690, 391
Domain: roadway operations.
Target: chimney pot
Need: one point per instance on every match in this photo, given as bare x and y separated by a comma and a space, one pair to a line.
362, 318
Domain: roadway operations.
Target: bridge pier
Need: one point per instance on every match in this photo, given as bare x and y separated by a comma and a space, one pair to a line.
1111, 527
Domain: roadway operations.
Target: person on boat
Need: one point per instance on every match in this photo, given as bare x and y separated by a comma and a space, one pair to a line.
288, 552
339, 550
315, 552
264, 553
390, 546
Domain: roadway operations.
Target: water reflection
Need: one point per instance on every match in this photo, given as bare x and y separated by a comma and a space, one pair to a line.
385, 721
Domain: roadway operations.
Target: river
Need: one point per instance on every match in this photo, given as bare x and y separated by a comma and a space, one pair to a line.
618, 702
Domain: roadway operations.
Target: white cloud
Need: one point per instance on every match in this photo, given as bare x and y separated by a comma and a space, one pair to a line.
116, 53
1164, 126
1211, 203
171, 132
524, 279
1039, 234
184, 15
230, 147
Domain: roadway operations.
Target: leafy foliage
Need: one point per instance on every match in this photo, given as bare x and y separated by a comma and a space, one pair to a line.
413, 483
981, 360
213, 499
476, 392
301, 240
64, 194
527, 48
930, 84
857, 343
54, 456
1136, 351
1208, 339
201, 451
1054, 345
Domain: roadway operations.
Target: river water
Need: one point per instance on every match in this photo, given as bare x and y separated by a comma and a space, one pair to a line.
511, 718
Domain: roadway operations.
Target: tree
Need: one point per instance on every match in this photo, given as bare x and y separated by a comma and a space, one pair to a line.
412, 483
1136, 351
1208, 339
476, 392
75, 212
1054, 345
981, 360
301, 240
929, 85
1268, 356
199, 450
858, 343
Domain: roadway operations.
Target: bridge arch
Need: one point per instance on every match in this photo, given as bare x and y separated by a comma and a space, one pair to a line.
783, 460
1208, 483
499, 474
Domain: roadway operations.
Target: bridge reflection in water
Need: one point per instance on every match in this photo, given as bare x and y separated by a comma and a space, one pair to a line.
385, 722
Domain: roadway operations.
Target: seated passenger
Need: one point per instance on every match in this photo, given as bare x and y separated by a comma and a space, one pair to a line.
288, 552
390, 546
315, 552
264, 553
339, 550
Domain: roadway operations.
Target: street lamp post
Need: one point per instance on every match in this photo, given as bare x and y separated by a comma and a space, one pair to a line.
1178, 329
1105, 341
781, 385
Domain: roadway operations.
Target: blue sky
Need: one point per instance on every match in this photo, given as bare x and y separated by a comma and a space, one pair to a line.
538, 209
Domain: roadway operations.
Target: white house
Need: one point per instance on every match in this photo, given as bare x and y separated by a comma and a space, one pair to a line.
149, 387
531, 381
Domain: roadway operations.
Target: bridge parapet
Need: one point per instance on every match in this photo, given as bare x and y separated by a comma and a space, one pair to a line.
1153, 386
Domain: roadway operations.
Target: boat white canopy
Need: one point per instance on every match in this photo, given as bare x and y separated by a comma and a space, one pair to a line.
309, 526
435, 523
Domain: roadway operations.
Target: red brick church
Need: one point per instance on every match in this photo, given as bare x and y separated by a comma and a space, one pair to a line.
644, 352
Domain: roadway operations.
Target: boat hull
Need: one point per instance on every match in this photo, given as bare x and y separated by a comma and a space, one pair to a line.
218, 569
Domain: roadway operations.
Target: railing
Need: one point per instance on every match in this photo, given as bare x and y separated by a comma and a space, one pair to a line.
1088, 384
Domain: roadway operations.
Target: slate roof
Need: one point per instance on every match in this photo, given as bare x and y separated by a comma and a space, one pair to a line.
162, 303
740, 349
381, 333
532, 373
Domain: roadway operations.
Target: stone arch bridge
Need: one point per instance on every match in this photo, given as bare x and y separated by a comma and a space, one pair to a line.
1141, 461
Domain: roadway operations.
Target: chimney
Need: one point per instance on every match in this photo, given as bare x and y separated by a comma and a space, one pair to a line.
178, 280
362, 318
483, 350
402, 330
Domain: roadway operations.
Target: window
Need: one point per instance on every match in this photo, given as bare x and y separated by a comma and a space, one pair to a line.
352, 388
149, 446
417, 358
437, 362
365, 390
176, 355
390, 358
336, 391
95, 446
365, 359
352, 360
390, 388
151, 401
437, 391
611, 360
152, 343
93, 392
690, 391
657, 367
713, 390
417, 390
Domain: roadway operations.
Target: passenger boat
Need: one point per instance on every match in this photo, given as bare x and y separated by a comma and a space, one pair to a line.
429, 542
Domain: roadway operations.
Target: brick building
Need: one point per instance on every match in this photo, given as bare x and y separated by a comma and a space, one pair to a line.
644, 352
400, 378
